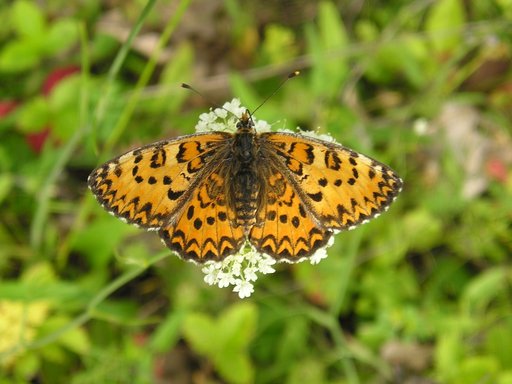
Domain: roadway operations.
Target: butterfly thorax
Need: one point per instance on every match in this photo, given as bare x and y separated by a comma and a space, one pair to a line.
244, 181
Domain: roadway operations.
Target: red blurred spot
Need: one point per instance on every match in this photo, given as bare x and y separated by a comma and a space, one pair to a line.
497, 170
140, 339
56, 76
159, 367
36, 140
7, 106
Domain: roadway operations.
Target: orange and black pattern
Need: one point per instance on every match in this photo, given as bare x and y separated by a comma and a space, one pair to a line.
208, 194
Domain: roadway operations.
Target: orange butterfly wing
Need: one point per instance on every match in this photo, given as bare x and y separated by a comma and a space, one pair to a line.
316, 187
284, 228
203, 229
147, 186
340, 187
310, 189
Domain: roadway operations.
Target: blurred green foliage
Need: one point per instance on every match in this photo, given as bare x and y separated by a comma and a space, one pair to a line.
421, 293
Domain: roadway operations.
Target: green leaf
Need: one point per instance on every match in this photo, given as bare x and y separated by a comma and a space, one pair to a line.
444, 24
332, 30
34, 115
478, 369
498, 342
307, 371
448, 354
121, 312
41, 272
326, 44
237, 326
235, 368
244, 91
99, 239
279, 45
333, 272
395, 60
199, 330
64, 106
293, 341
27, 365
75, 340
65, 93
61, 36
506, 11
6, 183
224, 340
421, 229
168, 332
505, 377
27, 19
18, 56
178, 70
484, 288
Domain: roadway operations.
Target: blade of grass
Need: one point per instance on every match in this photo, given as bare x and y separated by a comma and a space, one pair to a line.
41, 213
63, 250
104, 102
144, 78
351, 258
42, 208
329, 322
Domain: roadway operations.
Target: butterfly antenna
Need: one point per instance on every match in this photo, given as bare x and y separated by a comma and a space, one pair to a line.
290, 76
215, 105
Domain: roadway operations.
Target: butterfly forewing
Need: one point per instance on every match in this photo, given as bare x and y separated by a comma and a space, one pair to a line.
339, 187
146, 186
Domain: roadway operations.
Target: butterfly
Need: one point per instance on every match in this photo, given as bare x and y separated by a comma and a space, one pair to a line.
209, 194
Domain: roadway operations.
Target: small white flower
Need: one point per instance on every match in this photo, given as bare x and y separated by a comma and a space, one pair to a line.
262, 126
265, 265
211, 271
236, 268
318, 256
317, 135
234, 106
250, 274
421, 126
225, 279
244, 288
222, 113
321, 253
201, 126
207, 117
210, 278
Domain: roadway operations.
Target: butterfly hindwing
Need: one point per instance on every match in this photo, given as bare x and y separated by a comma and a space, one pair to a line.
204, 229
284, 228
340, 187
146, 185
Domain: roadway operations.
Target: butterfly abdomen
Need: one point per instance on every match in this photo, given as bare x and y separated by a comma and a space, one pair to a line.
245, 197
244, 178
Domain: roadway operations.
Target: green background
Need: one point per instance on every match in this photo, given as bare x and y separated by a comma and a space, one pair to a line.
420, 295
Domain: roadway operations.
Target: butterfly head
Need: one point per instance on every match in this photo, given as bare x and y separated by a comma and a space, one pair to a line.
245, 124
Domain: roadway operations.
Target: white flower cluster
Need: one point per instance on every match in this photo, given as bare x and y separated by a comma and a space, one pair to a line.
241, 270
224, 119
